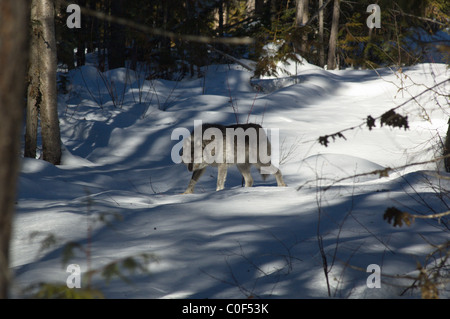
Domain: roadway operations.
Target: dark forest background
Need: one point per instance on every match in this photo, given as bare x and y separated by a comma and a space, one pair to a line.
297, 26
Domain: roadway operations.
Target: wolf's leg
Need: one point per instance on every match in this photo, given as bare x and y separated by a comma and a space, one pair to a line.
264, 170
195, 177
221, 176
245, 171
279, 178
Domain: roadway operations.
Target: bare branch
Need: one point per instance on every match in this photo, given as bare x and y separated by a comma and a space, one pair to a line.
231, 58
161, 32
385, 171
401, 12
324, 139
315, 15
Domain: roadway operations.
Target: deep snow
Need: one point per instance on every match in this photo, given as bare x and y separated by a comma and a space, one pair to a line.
240, 242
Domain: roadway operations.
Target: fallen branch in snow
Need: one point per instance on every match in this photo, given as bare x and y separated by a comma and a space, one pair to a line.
385, 171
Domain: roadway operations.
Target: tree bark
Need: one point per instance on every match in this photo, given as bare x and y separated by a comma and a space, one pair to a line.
13, 54
301, 19
51, 141
333, 36
33, 95
249, 7
42, 91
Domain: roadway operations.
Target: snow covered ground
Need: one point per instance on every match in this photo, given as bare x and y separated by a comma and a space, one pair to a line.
262, 241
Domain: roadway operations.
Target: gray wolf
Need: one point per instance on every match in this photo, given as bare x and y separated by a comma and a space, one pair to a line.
221, 146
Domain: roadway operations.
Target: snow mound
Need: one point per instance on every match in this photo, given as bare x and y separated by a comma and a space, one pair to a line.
339, 166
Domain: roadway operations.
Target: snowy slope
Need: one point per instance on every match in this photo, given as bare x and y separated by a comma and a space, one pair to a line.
239, 242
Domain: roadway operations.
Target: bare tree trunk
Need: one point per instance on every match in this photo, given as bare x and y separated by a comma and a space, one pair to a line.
116, 48
250, 7
259, 8
81, 39
273, 11
366, 53
51, 141
300, 19
13, 55
221, 19
299, 12
42, 90
321, 45
333, 37
34, 94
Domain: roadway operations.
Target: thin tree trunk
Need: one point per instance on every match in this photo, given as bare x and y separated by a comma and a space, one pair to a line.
299, 12
13, 56
301, 19
321, 45
333, 36
93, 28
33, 95
81, 39
259, 8
116, 48
220, 19
51, 141
273, 11
249, 8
